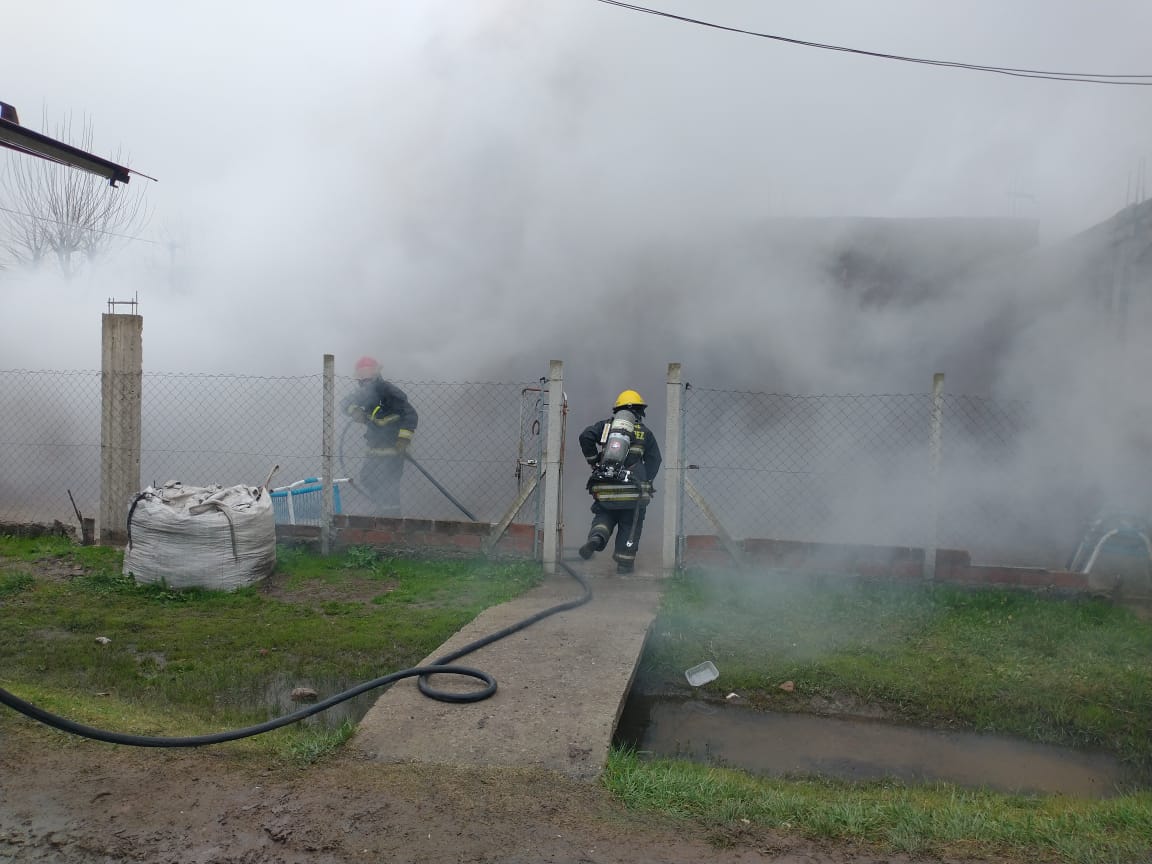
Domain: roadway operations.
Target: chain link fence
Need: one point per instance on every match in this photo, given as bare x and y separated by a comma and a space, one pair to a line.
49, 444
861, 469
816, 468
992, 502
482, 443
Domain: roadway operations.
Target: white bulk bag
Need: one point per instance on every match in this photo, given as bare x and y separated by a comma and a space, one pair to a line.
201, 536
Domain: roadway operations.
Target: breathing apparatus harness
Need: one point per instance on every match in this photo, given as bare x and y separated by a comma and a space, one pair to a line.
616, 441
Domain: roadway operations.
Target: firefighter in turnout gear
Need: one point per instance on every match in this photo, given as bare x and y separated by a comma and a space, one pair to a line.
390, 422
624, 458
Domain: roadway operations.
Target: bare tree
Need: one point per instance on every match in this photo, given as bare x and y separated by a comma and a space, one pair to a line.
50, 210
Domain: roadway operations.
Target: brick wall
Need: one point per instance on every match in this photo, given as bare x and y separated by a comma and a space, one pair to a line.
39, 529
417, 536
883, 562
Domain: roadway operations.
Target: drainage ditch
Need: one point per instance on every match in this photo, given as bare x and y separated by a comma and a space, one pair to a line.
796, 745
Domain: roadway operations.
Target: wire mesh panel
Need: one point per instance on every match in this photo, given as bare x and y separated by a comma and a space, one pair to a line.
50, 443
996, 501
844, 469
480, 444
860, 469
230, 429
470, 440
530, 453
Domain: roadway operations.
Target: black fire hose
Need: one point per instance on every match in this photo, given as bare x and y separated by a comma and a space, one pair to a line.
442, 666
436, 483
344, 470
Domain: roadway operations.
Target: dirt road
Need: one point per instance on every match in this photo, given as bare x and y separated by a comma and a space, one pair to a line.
66, 801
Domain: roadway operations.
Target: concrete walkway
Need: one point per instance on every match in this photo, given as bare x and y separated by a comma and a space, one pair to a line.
561, 683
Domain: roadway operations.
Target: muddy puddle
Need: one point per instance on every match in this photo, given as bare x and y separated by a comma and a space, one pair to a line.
783, 745
276, 697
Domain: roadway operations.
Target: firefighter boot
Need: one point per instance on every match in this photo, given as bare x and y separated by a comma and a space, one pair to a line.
595, 544
597, 540
625, 562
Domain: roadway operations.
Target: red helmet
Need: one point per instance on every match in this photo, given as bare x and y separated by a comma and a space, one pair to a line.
367, 367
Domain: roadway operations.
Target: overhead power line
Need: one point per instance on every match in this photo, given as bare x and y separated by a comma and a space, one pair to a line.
1016, 72
79, 227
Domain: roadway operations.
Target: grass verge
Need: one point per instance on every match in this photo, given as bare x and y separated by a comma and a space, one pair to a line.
192, 662
1058, 670
939, 820
1067, 671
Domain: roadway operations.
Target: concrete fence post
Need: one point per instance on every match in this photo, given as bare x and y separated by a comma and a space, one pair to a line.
934, 440
328, 438
553, 468
121, 378
673, 470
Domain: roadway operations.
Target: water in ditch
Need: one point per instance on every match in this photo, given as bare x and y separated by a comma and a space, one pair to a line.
282, 694
790, 745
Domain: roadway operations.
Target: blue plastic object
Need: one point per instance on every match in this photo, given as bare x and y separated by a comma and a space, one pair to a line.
302, 503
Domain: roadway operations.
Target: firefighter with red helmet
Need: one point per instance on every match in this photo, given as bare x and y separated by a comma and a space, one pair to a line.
624, 457
390, 422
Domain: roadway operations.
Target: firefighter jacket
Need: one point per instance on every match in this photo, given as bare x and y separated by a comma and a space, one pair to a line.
386, 412
642, 463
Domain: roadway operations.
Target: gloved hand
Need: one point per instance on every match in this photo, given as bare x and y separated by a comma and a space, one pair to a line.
358, 414
403, 439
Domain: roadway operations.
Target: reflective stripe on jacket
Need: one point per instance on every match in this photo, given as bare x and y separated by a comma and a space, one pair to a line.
621, 495
385, 410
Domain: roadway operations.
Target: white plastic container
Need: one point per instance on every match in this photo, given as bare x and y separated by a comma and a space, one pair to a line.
702, 674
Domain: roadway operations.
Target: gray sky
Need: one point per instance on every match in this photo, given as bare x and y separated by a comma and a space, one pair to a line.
487, 175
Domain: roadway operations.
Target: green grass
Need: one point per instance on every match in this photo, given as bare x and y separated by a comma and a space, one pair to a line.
1074, 672
189, 662
14, 583
1069, 671
917, 820
196, 661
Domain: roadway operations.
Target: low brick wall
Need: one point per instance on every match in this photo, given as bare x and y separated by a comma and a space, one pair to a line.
38, 529
882, 562
415, 536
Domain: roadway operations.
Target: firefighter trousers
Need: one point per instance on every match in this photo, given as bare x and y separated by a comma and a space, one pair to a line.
381, 477
628, 522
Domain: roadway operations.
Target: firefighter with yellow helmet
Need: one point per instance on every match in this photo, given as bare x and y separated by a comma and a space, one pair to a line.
624, 457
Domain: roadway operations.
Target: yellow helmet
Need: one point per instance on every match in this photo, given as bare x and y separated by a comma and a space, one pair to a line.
629, 398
